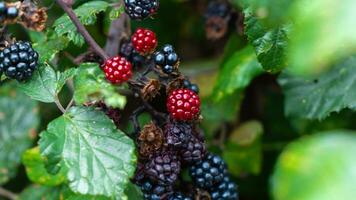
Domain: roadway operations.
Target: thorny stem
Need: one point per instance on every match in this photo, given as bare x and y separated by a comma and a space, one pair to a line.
82, 30
7, 194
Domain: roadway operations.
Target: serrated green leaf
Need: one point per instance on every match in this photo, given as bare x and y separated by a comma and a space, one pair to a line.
36, 171
40, 192
324, 33
243, 151
116, 12
87, 16
99, 158
321, 166
270, 44
18, 122
316, 98
90, 85
45, 83
49, 46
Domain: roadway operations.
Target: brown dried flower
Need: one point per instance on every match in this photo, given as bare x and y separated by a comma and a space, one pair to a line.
150, 139
151, 89
32, 17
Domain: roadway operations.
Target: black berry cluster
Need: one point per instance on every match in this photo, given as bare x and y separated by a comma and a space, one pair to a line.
167, 59
18, 61
128, 51
8, 12
141, 9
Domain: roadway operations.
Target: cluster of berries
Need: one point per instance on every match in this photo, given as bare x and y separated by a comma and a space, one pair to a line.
18, 61
176, 143
8, 12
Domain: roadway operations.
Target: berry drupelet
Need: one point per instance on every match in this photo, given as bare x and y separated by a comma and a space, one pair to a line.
152, 191
177, 134
188, 85
117, 70
226, 190
193, 151
144, 41
141, 9
209, 172
18, 61
167, 59
128, 51
183, 105
179, 196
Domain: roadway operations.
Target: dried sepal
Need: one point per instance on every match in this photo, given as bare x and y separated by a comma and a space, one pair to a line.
32, 17
176, 83
150, 139
151, 89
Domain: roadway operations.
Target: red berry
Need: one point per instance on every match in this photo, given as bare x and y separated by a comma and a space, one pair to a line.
183, 105
117, 70
144, 41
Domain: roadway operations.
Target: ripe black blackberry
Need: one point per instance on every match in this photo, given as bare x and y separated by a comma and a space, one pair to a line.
226, 190
167, 59
128, 51
141, 9
8, 12
153, 191
179, 196
193, 151
18, 61
217, 17
209, 172
177, 134
163, 167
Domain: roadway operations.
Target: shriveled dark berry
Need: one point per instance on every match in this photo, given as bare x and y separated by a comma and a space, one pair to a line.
18, 61
193, 151
209, 172
163, 167
177, 134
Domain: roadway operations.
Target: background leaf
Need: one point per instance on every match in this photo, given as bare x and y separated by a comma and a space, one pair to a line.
317, 167
316, 98
99, 158
18, 122
40, 192
90, 85
36, 171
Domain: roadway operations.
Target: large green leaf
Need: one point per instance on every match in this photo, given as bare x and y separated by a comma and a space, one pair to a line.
324, 33
317, 167
243, 151
270, 44
99, 158
18, 122
316, 98
39, 192
36, 171
87, 16
45, 84
49, 46
90, 85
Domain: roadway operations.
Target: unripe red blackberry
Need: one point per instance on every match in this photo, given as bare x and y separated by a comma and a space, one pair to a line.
18, 61
183, 105
117, 70
141, 9
144, 41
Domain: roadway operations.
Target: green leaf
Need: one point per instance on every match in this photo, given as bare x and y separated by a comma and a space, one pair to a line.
36, 171
133, 192
49, 46
270, 45
116, 12
70, 195
324, 33
99, 158
18, 122
45, 84
90, 85
40, 192
87, 16
316, 98
243, 152
321, 166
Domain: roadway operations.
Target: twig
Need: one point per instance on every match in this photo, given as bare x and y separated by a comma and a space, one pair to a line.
7, 194
82, 30
119, 29
59, 105
69, 104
